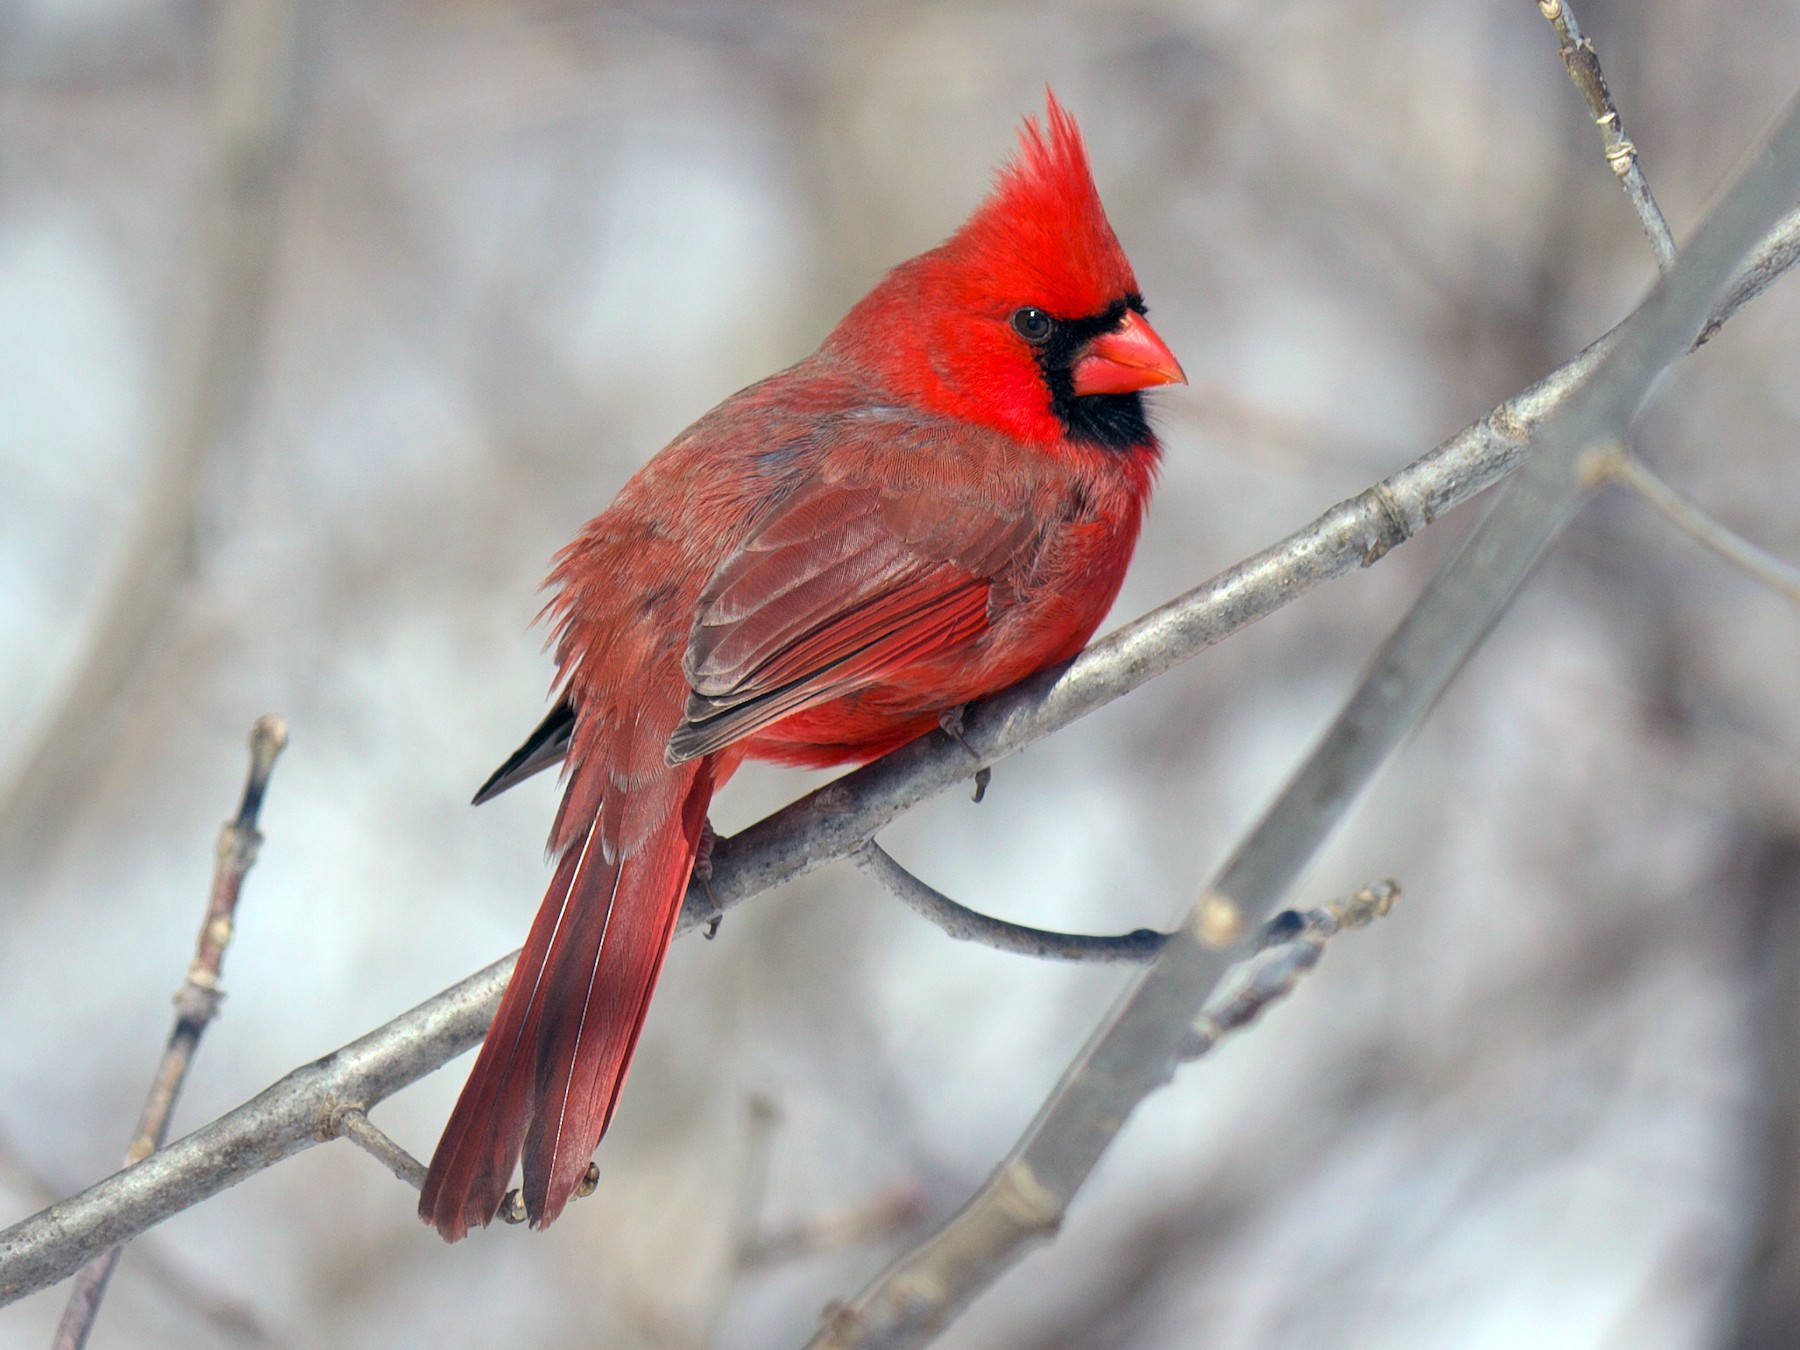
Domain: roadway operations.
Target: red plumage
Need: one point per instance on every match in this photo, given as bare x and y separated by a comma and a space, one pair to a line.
937, 503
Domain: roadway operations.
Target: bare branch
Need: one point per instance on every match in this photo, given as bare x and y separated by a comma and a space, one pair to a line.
970, 925
1583, 61
1286, 947
1771, 571
196, 1291
1138, 1047
1283, 950
1138, 947
353, 1123
196, 1004
1779, 252
293, 1115
256, 51
753, 1178
835, 820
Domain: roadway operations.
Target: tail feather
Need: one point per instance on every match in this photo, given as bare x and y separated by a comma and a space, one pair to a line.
549, 1072
548, 744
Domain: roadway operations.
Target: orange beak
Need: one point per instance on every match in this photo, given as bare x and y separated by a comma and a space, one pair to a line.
1129, 358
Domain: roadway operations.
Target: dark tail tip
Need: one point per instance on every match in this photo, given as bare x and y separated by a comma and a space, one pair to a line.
546, 745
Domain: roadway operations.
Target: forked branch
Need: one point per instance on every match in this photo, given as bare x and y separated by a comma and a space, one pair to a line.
840, 818
1137, 1050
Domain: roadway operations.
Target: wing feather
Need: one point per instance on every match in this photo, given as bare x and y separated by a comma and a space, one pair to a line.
846, 583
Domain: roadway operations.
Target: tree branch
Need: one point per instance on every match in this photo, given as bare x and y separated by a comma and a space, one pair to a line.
1583, 61
353, 1123
968, 925
196, 1004
837, 819
196, 1290
1138, 1047
1283, 949
1781, 577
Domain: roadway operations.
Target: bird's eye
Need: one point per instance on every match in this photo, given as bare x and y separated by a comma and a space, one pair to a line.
1032, 324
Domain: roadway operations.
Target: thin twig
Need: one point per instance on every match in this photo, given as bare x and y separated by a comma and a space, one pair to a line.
1710, 534
1583, 61
1136, 1050
1288, 946
196, 1004
970, 925
353, 1123
762, 1118
1284, 949
839, 818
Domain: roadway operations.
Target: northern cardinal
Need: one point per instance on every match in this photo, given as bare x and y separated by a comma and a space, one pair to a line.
937, 503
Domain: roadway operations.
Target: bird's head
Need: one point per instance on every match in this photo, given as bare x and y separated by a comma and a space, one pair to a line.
1028, 318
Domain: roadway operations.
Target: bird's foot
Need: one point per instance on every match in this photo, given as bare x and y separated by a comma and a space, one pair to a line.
950, 722
512, 1204
703, 870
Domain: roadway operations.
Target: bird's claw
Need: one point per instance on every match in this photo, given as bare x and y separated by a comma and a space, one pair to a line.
703, 870
950, 722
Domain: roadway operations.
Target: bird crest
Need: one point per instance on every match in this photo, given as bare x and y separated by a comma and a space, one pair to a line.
1042, 229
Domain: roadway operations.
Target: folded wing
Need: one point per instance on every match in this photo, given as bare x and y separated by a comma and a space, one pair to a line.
844, 585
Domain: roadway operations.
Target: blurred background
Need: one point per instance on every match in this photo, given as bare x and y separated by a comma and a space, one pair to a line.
323, 324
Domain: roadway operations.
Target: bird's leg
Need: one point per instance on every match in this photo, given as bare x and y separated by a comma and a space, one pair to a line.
703, 874
950, 721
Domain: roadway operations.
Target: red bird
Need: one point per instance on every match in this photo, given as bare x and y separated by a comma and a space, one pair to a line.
937, 503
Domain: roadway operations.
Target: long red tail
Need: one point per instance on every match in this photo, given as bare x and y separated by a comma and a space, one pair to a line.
549, 1072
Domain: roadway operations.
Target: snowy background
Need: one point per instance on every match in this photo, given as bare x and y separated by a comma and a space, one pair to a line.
513, 248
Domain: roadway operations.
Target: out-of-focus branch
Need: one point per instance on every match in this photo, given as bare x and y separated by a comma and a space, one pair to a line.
1280, 953
1583, 61
1138, 1047
762, 1118
196, 1004
970, 925
255, 64
1779, 252
193, 1291
1764, 1310
1710, 534
835, 820
1283, 949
